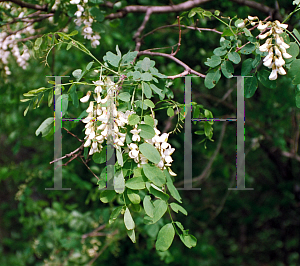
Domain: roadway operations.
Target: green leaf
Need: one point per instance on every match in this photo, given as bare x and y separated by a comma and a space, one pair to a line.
293, 51
119, 182
100, 157
124, 96
176, 207
173, 191
146, 76
248, 48
128, 58
227, 32
112, 59
297, 98
131, 235
148, 206
263, 77
220, 51
115, 213
77, 74
250, 86
294, 71
212, 78
160, 208
156, 90
89, 65
247, 32
165, 237
149, 120
133, 196
157, 192
147, 91
133, 119
107, 196
135, 183
38, 43
189, 240
74, 96
170, 112
234, 57
146, 64
246, 67
69, 46
213, 61
149, 103
147, 132
150, 152
154, 174
128, 221
296, 33
50, 98
256, 61
45, 127
227, 69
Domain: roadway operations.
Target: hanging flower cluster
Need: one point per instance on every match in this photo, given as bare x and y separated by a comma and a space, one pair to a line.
86, 20
97, 127
274, 45
9, 42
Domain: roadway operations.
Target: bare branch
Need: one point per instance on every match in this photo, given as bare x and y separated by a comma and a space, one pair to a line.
261, 7
156, 9
188, 70
89, 168
140, 30
68, 155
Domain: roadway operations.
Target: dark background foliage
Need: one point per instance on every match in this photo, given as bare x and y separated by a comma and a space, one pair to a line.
259, 227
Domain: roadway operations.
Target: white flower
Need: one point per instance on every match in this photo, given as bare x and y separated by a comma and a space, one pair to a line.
86, 97
266, 46
252, 18
135, 132
87, 143
286, 55
268, 63
262, 26
90, 108
284, 26
75, 2
263, 36
279, 61
133, 151
171, 172
273, 74
241, 25
281, 71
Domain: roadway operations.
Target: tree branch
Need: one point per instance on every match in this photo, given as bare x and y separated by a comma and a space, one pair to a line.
28, 5
188, 70
261, 7
156, 9
140, 30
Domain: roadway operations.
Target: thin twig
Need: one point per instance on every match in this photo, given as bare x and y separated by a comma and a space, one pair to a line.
89, 168
179, 39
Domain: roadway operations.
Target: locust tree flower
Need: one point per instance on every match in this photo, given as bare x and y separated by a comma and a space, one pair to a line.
86, 97
135, 134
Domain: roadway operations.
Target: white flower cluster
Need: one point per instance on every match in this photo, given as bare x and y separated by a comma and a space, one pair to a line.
96, 133
86, 20
274, 45
9, 45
